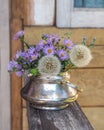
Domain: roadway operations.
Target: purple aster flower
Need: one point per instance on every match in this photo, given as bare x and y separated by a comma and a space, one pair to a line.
41, 44
38, 47
25, 55
13, 65
18, 66
68, 43
33, 53
49, 42
62, 55
18, 54
31, 50
19, 73
22, 55
34, 56
18, 34
54, 38
45, 36
49, 50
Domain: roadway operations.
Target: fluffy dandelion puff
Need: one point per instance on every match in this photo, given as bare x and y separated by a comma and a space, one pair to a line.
80, 55
49, 65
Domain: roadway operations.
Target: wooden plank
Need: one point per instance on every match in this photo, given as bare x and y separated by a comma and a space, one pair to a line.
71, 118
16, 82
17, 8
95, 116
33, 34
92, 82
5, 115
98, 57
63, 13
39, 12
25, 120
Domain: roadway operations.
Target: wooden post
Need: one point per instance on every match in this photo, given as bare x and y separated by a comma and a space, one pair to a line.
70, 118
16, 82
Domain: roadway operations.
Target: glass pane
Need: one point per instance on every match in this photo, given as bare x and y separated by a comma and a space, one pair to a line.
78, 3
89, 3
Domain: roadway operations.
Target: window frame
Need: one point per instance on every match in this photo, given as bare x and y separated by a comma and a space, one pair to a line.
73, 17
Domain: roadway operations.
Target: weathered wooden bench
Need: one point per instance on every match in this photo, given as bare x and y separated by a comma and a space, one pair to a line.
70, 118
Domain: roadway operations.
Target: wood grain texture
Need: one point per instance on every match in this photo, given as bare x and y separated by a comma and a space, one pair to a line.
95, 116
92, 83
33, 34
39, 12
71, 118
16, 82
98, 57
63, 13
17, 9
25, 120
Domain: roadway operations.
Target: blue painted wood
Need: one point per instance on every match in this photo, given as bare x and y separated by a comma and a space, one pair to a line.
89, 3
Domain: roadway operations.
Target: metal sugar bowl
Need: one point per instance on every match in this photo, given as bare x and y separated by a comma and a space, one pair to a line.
49, 93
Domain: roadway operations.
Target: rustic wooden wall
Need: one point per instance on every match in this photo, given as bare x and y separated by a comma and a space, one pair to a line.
89, 78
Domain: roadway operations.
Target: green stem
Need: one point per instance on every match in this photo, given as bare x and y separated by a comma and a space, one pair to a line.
23, 42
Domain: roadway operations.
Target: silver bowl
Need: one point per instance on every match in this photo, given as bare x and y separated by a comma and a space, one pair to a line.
49, 93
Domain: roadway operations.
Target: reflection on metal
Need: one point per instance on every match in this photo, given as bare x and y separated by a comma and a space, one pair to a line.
49, 92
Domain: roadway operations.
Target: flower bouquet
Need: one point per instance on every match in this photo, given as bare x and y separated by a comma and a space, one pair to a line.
50, 56
49, 63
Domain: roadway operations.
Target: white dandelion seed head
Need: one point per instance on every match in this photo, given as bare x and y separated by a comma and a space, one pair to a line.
80, 55
49, 66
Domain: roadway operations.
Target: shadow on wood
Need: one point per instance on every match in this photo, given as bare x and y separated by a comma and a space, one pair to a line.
71, 118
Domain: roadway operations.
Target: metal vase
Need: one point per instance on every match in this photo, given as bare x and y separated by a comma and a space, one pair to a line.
49, 93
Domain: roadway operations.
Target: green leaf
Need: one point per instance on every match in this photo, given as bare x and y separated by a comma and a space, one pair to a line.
34, 71
84, 41
92, 42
